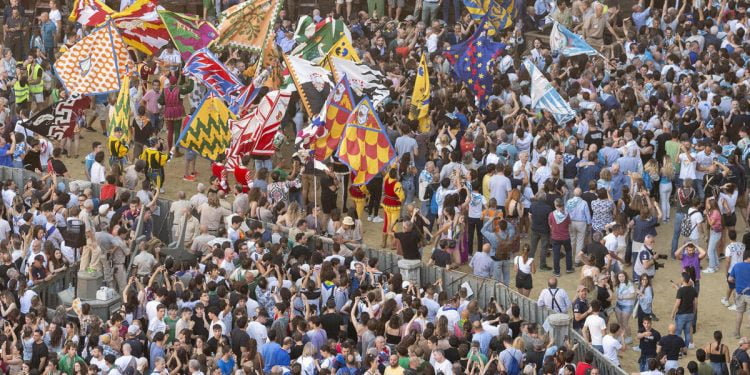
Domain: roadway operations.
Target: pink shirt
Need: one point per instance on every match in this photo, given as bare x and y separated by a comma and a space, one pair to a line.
151, 98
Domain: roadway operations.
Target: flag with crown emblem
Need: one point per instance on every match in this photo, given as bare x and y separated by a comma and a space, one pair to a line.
207, 131
473, 62
365, 147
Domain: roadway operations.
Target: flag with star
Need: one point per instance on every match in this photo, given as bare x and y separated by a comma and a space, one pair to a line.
473, 62
544, 96
420, 97
365, 147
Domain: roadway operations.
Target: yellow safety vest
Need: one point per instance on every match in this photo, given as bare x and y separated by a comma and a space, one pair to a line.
22, 92
39, 87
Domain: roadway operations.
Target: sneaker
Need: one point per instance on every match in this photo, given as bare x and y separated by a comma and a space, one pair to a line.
636, 349
691, 346
569, 271
377, 219
369, 218
725, 301
709, 270
732, 308
161, 190
555, 274
188, 178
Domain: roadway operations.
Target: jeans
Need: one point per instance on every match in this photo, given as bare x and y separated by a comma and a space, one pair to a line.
665, 191
600, 348
713, 257
698, 186
429, 12
684, 323
534, 240
501, 271
577, 231
267, 164
475, 223
155, 119
456, 4
643, 363
676, 234
556, 255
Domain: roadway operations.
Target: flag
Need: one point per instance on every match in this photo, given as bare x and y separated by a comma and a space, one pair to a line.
338, 108
365, 147
204, 66
420, 97
57, 121
473, 61
207, 131
569, 43
270, 61
95, 64
364, 81
254, 133
342, 49
300, 32
90, 12
316, 39
141, 27
499, 16
121, 116
188, 32
544, 96
246, 25
241, 103
313, 83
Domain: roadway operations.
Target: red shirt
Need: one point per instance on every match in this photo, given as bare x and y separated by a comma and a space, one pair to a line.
108, 191
240, 174
581, 368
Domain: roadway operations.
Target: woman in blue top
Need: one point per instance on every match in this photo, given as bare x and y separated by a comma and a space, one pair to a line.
626, 298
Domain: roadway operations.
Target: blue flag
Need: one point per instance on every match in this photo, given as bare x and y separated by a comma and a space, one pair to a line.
499, 16
544, 96
569, 43
473, 61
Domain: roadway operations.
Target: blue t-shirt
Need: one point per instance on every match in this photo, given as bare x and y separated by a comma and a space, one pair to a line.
227, 366
741, 274
5, 159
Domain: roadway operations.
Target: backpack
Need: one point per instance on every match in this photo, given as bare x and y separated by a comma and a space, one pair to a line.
734, 364
686, 227
514, 368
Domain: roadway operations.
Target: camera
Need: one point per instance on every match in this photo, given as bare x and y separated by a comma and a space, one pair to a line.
658, 265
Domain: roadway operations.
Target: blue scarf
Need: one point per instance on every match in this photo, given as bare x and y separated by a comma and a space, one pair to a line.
560, 216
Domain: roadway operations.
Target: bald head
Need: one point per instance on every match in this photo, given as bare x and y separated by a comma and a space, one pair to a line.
577, 192
203, 228
486, 248
672, 329
181, 194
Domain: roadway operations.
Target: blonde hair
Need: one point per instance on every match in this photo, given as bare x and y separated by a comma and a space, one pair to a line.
667, 169
605, 174
651, 167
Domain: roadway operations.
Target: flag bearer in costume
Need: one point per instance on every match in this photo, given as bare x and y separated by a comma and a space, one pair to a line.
118, 149
155, 160
393, 196
174, 112
359, 196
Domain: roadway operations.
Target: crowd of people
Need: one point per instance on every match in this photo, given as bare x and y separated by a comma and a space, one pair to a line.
275, 279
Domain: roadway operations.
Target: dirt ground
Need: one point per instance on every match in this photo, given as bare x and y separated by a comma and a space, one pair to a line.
712, 315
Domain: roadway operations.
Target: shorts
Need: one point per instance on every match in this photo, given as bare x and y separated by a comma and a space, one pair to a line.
729, 220
742, 301
627, 309
730, 283
342, 1
396, 3
101, 112
190, 155
38, 98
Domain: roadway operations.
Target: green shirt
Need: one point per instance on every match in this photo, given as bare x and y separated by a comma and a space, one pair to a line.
66, 363
172, 324
705, 369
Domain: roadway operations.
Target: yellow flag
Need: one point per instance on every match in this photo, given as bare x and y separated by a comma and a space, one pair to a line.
420, 97
121, 114
342, 49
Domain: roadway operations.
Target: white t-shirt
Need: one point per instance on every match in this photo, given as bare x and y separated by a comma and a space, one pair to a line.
476, 204
611, 346
98, 173
523, 267
596, 326
687, 167
731, 202
446, 367
696, 218
499, 188
703, 161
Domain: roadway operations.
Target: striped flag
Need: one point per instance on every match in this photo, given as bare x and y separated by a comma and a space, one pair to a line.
364, 81
420, 97
500, 16
90, 12
141, 27
569, 43
254, 133
545, 97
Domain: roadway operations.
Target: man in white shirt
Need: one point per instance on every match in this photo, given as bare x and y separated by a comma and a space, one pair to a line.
125, 360
703, 161
612, 243
554, 298
612, 344
440, 363
687, 162
594, 328
450, 312
157, 324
